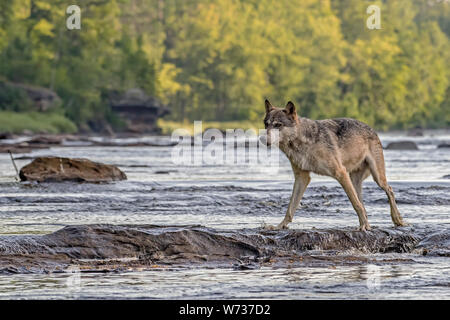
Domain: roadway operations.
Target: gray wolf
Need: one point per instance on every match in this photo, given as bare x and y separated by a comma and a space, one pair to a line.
345, 149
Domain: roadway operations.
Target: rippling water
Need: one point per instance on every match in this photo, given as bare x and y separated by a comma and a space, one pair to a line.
230, 197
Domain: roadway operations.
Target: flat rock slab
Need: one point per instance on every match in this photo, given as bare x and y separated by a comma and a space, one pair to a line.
55, 169
131, 247
402, 145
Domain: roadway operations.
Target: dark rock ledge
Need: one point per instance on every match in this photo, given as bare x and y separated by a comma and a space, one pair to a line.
104, 248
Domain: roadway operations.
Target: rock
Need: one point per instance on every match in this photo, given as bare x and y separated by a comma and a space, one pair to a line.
164, 171
415, 132
66, 140
131, 144
37, 142
402, 145
437, 244
444, 145
25, 158
46, 140
55, 169
447, 176
115, 247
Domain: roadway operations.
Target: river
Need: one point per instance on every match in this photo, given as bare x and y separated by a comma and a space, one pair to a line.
159, 191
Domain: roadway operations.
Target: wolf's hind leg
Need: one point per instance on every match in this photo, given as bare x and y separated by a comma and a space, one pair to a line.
377, 170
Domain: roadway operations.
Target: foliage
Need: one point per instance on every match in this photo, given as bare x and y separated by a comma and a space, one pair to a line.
168, 126
16, 122
219, 59
14, 99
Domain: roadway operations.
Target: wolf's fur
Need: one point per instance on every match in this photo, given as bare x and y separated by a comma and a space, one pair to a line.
345, 149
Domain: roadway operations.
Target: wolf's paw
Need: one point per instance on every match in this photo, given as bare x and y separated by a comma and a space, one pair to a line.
278, 227
365, 228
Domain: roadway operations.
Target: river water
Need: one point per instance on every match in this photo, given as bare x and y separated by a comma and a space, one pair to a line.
161, 191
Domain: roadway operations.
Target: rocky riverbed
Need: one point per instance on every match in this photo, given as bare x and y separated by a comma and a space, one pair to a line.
184, 231
109, 248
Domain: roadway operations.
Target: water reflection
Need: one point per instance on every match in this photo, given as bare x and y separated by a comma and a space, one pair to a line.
296, 283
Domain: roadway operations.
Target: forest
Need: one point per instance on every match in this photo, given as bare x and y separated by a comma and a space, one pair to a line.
217, 60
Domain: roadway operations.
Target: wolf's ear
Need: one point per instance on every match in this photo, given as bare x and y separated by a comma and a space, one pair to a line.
290, 108
269, 107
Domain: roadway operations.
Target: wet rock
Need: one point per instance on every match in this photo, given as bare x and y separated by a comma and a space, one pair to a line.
134, 144
437, 244
112, 247
55, 169
402, 145
447, 176
25, 158
66, 140
19, 148
46, 140
444, 145
415, 132
35, 142
246, 266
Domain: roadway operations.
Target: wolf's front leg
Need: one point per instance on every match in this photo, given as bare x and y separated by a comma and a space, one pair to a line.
302, 180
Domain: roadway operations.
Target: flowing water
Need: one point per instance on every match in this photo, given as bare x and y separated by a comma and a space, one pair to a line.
159, 191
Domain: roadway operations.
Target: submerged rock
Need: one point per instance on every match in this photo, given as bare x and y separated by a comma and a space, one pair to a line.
46, 140
18, 148
437, 243
55, 169
444, 145
402, 145
415, 132
113, 247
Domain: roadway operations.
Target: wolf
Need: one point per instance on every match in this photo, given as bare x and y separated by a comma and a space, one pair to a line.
345, 149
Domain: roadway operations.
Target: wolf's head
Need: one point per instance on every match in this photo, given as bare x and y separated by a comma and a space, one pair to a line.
279, 120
